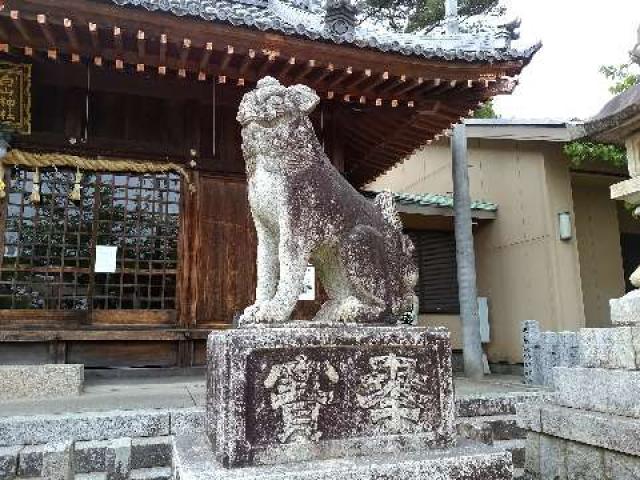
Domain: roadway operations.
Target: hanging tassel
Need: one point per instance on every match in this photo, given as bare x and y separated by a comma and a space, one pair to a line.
2, 184
35, 190
75, 193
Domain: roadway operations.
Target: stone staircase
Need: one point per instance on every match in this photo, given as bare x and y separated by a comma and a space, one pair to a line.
119, 459
491, 420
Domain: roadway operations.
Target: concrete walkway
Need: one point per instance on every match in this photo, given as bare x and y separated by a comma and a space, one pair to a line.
189, 391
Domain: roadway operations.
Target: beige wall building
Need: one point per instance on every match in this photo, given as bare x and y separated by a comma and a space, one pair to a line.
524, 268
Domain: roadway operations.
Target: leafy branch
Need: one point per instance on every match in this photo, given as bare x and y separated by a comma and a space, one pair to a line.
580, 152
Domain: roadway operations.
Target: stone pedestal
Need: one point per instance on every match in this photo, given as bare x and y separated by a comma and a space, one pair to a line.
591, 430
291, 394
334, 402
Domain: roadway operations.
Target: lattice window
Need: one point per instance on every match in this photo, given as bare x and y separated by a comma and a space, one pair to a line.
50, 247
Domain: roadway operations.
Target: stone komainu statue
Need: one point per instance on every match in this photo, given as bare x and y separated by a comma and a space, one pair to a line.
305, 211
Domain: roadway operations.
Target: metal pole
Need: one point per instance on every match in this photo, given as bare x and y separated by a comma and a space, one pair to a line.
465, 257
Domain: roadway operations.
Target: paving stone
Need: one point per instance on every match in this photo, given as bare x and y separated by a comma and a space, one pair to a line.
151, 452
90, 476
158, 473
30, 461
9, 461
584, 462
626, 310
609, 391
532, 453
516, 448
57, 460
607, 348
36, 429
90, 456
552, 458
40, 381
118, 459
619, 466
187, 421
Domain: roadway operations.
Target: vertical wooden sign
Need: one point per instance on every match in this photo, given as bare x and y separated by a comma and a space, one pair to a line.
15, 97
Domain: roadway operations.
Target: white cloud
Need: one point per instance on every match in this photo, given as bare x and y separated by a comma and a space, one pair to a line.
563, 80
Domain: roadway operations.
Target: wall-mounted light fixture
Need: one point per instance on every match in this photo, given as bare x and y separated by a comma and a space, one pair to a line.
565, 229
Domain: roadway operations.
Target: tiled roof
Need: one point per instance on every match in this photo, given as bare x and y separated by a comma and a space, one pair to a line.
305, 18
434, 200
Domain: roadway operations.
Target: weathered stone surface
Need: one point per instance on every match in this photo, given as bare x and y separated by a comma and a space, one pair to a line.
292, 394
151, 452
552, 458
501, 404
305, 212
57, 460
118, 459
36, 429
612, 432
157, 473
500, 427
612, 348
621, 467
532, 454
40, 381
187, 421
91, 476
528, 417
90, 456
542, 351
9, 462
584, 462
194, 460
30, 461
601, 390
626, 310
516, 448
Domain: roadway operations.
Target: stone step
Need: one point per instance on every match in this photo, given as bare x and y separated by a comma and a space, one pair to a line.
502, 404
521, 474
156, 473
599, 383
491, 428
517, 449
90, 476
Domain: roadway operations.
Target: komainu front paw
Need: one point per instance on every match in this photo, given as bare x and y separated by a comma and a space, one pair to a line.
248, 317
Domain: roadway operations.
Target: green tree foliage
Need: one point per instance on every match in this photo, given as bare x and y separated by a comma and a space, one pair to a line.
486, 111
622, 77
414, 15
579, 152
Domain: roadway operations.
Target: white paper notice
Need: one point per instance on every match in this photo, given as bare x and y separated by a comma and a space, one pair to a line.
105, 259
309, 283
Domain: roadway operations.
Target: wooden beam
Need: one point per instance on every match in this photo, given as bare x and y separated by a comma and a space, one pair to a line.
411, 84
287, 67
46, 30
341, 77
401, 80
382, 78
310, 65
20, 26
226, 58
184, 52
359, 79
95, 36
117, 38
267, 65
142, 48
247, 61
327, 71
71, 34
163, 49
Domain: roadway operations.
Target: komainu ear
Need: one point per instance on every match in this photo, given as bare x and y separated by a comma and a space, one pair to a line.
303, 97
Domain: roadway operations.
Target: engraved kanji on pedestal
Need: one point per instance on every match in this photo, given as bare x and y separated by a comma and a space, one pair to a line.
297, 392
393, 393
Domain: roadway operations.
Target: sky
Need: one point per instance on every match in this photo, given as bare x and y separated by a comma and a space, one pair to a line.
563, 80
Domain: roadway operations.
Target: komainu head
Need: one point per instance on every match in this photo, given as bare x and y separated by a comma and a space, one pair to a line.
271, 102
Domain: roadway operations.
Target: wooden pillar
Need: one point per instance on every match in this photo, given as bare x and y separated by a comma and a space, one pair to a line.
465, 256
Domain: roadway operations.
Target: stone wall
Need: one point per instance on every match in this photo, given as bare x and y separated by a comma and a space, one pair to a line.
542, 351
